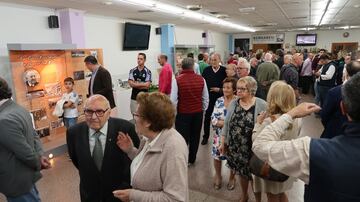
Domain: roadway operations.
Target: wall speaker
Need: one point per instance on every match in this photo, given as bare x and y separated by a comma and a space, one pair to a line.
203, 35
53, 21
158, 30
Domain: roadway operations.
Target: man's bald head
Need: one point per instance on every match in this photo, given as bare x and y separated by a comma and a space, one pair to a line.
268, 57
97, 98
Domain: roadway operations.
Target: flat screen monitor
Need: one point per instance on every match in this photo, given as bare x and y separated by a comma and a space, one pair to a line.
136, 36
306, 39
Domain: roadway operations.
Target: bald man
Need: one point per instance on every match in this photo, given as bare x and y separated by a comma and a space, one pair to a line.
266, 74
103, 166
290, 73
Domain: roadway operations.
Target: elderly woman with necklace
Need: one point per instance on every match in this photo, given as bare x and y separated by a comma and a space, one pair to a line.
237, 131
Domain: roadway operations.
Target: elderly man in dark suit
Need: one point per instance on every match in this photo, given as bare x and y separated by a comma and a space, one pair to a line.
103, 167
20, 151
100, 82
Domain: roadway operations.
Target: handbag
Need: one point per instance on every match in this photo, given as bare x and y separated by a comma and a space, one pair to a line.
263, 170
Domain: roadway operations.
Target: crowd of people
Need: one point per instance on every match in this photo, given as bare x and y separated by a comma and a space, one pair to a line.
253, 104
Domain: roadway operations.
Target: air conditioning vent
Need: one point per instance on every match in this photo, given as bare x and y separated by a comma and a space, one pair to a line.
145, 11
194, 7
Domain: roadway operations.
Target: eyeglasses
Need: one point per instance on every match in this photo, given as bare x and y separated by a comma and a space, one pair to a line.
99, 112
241, 89
136, 115
240, 68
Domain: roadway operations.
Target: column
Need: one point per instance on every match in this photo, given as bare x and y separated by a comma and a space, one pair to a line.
72, 27
167, 43
231, 43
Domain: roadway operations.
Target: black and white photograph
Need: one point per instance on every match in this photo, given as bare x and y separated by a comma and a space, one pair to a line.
39, 114
77, 53
56, 124
79, 75
43, 132
31, 77
80, 100
35, 94
53, 89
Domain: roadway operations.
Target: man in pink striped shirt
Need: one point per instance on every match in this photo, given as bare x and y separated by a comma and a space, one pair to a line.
165, 75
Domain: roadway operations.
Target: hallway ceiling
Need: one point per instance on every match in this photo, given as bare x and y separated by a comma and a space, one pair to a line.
269, 15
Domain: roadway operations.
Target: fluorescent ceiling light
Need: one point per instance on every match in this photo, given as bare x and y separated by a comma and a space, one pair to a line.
247, 10
175, 10
327, 16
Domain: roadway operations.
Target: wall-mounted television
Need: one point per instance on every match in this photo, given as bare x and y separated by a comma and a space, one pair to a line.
136, 36
306, 39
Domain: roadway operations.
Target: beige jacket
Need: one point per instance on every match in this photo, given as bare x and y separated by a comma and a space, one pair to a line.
163, 174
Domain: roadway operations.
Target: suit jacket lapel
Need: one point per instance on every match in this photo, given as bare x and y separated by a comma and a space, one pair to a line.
86, 143
110, 138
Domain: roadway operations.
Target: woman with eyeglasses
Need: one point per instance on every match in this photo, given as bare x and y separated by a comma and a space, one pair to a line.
159, 166
237, 132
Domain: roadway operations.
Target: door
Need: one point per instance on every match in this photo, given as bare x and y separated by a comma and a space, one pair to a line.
256, 47
348, 47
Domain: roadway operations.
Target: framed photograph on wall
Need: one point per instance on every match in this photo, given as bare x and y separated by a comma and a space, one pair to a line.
43, 132
79, 75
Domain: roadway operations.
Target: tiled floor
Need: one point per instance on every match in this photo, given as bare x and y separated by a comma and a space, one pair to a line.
60, 184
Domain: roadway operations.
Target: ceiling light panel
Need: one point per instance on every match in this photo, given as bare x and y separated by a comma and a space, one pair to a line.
175, 10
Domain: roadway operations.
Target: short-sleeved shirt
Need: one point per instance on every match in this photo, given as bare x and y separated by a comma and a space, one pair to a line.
74, 98
139, 76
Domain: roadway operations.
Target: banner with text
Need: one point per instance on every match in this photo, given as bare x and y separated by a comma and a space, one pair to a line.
268, 38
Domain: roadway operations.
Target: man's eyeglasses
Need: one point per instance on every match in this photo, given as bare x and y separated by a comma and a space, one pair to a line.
99, 112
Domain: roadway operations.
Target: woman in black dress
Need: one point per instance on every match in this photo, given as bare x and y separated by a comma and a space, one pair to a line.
237, 133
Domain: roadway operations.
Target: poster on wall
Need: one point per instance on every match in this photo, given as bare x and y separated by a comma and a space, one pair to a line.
268, 38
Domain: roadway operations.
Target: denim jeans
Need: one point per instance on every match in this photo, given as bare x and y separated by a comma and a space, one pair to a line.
68, 122
317, 94
31, 196
323, 91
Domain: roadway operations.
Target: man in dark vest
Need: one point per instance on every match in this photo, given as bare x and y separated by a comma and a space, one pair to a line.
327, 77
190, 94
330, 167
331, 116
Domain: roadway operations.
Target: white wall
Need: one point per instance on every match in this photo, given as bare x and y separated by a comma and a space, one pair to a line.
190, 36
23, 24
325, 38
27, 24
108, 33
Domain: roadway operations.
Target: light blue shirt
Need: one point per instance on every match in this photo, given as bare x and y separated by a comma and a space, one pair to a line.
102, 137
